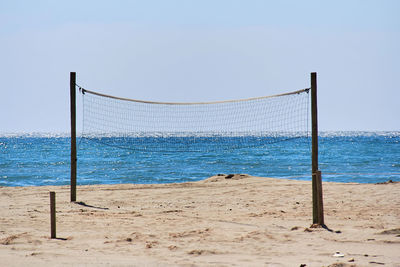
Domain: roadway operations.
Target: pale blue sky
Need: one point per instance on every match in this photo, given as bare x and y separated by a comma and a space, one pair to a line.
200, 51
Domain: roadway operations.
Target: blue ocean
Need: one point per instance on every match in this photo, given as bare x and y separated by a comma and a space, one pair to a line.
44, 159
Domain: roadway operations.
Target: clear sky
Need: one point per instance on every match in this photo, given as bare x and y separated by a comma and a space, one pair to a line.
183, 50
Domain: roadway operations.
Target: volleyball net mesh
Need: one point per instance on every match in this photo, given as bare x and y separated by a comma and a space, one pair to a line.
147, 126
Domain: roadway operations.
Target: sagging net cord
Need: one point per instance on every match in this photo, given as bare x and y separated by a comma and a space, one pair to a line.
171, 151
84, 91
148, 126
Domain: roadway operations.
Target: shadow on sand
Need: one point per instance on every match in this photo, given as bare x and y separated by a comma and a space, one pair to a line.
90, 206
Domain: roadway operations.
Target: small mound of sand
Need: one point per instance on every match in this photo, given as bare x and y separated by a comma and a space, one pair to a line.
389, 182
226, 177
395, 231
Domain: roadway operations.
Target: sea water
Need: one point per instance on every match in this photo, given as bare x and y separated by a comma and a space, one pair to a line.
44, 159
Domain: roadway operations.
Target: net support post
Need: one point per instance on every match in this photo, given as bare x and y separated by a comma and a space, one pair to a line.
318, 216
73, 134
53, 215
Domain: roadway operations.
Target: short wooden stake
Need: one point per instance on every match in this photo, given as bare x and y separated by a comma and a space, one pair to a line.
320, 199
53, 214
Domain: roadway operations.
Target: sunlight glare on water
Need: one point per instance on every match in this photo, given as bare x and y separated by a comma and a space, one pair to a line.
37, 159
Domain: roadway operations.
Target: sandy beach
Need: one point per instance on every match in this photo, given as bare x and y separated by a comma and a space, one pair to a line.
241, 221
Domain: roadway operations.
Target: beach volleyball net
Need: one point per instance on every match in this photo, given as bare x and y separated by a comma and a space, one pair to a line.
168, 127
167, 140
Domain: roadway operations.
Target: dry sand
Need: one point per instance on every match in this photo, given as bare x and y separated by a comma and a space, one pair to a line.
242, 221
